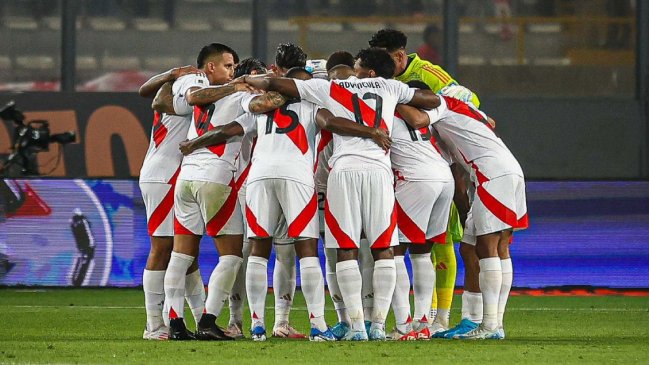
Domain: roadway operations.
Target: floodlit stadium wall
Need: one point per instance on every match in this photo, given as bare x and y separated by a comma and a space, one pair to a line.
562, 138
581, 234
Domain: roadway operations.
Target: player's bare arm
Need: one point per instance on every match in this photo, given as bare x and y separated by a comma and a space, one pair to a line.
215, 136
282, 85
211, 94
151, 87
425, 99
413, 116
164, 100
460, 196
346, 127
267, 102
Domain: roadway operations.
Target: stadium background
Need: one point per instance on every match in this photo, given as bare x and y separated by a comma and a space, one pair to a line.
567, 81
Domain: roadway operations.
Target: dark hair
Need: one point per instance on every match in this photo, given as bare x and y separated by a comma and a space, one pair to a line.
377, 59
289, 55
246, 66
390, 39
430, 30
418, 84
340, 58
295, 71
214, 49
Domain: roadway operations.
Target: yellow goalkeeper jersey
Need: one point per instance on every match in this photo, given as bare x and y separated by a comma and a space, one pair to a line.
434, 76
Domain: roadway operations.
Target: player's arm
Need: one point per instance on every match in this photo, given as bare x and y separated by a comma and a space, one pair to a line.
460, 196
414, 117
280, 84
151, 86
164, 100
346, 127
211, 94
216, 136
424, 99
266, 102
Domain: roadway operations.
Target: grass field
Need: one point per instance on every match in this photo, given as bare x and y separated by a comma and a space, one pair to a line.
105, 326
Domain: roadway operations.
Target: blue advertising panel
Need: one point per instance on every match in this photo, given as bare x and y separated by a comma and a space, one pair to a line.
93, 233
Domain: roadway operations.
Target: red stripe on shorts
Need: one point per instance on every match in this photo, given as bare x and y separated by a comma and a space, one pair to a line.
303, 219
258, 230
408, 227
440, 238
385, 238
217, 222
497, 208
180, 229
344, 241
165, 207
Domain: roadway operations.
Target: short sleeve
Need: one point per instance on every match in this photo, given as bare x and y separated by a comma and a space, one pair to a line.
246, 100
179, 89
248, 122
403, 92
314, 90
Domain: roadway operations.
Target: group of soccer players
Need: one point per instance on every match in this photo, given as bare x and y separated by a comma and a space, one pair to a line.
389, 149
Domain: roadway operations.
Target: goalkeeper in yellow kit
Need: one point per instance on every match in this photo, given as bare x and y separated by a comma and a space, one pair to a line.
410, 67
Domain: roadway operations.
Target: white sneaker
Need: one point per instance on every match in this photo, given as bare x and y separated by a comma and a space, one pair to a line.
377, 334
480, 333
501, 333
159, 334
235, 330
285, 330
436, 327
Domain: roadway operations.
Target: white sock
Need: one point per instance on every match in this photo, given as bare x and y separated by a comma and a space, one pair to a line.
332, 285
505, 288
313, 290
350, 283
423, 284
174, 284
195, 294
238, 293
472, 306
401, 296
154, 297
366, 263
384, 280
256, 288
491, 278
221, 281
284, 281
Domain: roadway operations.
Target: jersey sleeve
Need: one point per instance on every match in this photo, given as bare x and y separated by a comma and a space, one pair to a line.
402, 91
314, 90
248, 122
246, 100
179, 89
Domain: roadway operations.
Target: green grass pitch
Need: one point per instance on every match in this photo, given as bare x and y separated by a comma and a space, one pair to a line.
102, 326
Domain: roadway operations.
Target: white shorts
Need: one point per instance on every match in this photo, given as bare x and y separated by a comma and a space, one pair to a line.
360, 201
281, 233
423, 210
267, 200
159, 205
207, 207
499, 205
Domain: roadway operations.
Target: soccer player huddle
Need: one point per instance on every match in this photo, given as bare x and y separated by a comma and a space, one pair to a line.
381, 154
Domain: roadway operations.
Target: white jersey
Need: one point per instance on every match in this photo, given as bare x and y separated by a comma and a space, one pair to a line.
286, 143
215, 163
370, 101
163, 156
324, 151
474, 145
243, 160
415, 154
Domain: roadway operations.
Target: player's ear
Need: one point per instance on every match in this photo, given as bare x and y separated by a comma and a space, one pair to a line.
372, 73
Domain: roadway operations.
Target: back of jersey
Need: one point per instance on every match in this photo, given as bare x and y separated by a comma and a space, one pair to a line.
473, 143
286, 143
214, 163
163, 156
370, 102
